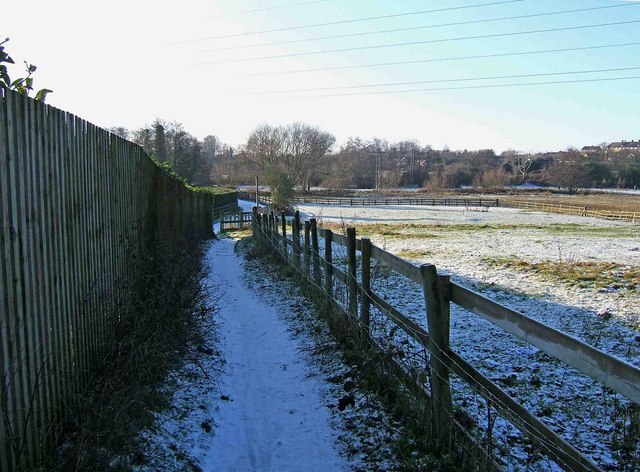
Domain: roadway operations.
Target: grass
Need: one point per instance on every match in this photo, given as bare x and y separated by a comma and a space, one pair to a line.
434, 231
594, 201
578, 274
413, 254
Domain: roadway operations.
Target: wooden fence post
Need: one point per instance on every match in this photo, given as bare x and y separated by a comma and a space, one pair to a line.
328, 257
307, 246
255, 222
296, 239
352, 273
437, 303
221, 222
316, 250
284, 235
240, 219
365, 307
273, 227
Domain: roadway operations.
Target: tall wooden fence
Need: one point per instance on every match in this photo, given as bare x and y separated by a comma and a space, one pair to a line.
76, 204
299, 245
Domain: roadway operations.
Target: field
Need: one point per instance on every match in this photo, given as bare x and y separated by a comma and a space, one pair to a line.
578, 275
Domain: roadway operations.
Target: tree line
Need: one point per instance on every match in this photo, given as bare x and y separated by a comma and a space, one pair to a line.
301, 156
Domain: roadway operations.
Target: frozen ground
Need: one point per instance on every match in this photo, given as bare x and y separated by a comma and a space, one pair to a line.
256, 395
460, 241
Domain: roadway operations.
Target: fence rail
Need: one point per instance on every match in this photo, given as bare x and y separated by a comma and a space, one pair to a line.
439, 292
235, 220
76, 202
619, 215
386, 201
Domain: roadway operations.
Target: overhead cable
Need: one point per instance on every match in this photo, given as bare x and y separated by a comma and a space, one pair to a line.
469, 87
415, 28
354, 20
443, 59
415, 43
438, 81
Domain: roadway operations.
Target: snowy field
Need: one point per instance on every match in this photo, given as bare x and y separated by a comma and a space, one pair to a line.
486, 251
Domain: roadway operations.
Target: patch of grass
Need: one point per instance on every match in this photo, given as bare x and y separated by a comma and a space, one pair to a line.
413, 254
579, 274
432, 231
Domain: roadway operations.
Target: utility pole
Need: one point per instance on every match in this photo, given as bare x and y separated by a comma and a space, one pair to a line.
413, 159
378, 165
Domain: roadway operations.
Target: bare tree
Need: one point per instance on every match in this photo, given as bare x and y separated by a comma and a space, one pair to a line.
296, 149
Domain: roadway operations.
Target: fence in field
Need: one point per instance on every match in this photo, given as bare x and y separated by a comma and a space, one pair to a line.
77, 204
346, 282
631, 216
387, 201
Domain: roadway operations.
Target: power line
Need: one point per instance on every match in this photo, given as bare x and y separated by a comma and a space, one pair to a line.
444, 59
259, 10
469, 87
414, 28
465, 79
355, 20
414, 43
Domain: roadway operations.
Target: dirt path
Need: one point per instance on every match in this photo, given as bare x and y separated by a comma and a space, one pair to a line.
272, 416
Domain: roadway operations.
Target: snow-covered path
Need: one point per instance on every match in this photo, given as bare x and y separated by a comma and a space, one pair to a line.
272, 417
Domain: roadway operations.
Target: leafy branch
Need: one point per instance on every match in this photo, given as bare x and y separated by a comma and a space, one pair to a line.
22, 85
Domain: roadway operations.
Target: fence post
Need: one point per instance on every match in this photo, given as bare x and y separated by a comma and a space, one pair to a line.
316, 250
296, 238
254, 220
221, 222
365, 307
328, 257
307, 246
352, 273
284, 235
240, 219
437, 302
273, 229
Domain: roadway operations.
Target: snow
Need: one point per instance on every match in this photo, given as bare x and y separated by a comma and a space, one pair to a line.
246, 399
589, 416
274, 418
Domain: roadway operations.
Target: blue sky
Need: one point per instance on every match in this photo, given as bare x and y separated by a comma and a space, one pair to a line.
125, 63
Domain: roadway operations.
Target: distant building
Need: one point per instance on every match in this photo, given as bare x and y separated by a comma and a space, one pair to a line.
591, 150
619, 146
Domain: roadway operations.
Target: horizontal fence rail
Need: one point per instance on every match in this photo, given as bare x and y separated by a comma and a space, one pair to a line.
77, 205
284, 237
235, 220
630, 216
387, 201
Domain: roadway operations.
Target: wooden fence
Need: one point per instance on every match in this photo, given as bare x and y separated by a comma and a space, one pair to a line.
631, 216
387, 201
439, 292
235, 220
76, 203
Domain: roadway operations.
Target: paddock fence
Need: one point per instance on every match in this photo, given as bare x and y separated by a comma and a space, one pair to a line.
388, 201
340, 267
576, 210
77, 205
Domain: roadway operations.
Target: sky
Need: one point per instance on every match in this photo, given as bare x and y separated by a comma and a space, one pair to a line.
210, 65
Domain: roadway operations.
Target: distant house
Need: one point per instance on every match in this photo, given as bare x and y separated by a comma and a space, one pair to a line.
591, 151
619, 146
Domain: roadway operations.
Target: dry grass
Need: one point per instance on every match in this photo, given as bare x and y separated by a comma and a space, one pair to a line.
432, 231
595, 201
580, 274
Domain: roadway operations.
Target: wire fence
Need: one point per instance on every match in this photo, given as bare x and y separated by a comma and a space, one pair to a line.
466, 407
